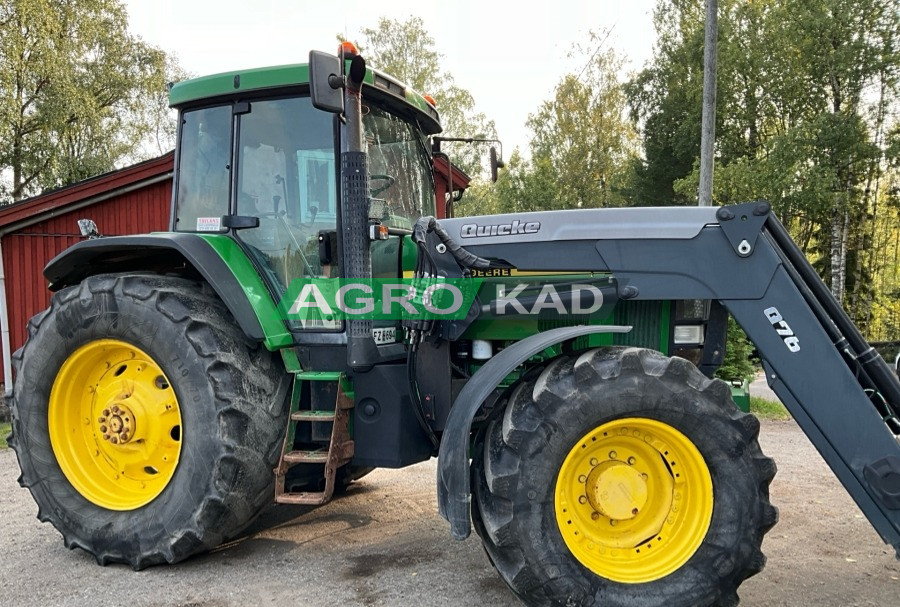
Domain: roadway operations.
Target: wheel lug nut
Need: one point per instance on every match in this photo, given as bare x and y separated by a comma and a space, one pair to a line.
631, 461
582, 500
612, 522
106, 437
594, 461
612, 455
103, 429
106, 412
582, 479
114, 440
635, 511
595, 515
101, 419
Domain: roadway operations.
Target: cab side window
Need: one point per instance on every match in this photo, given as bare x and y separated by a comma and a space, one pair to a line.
204, 168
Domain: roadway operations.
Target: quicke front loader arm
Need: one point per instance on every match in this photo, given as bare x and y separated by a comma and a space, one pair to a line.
842, 394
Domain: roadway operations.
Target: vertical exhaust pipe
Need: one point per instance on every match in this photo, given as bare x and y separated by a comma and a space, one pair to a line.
361, 350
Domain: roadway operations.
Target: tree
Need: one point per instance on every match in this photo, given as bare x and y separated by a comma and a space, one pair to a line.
583, 135
736, 364
665, 98
77, 92
807, 89
582, 146
406, 51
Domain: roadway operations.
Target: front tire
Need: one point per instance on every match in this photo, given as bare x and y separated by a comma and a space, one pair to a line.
622, 477
146, 425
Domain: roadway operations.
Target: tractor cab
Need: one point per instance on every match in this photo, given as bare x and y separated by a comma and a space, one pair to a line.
257, 159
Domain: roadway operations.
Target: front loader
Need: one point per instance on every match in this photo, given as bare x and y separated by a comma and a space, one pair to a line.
181, 381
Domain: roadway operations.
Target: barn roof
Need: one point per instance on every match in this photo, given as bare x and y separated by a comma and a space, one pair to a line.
89, 191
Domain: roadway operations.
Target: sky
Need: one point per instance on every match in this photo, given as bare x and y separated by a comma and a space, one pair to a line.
509, 55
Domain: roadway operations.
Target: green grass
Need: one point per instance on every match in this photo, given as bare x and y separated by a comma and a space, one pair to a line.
4, 432
767, 409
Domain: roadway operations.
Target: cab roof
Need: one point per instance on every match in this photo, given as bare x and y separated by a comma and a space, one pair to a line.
230, 84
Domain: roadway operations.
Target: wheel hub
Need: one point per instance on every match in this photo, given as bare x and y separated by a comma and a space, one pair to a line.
116, 424
633, 500
616, 490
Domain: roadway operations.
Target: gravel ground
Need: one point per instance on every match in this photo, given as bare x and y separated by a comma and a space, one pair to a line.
384, 544
759, 387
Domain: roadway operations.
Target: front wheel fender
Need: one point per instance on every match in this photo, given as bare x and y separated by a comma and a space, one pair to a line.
453, 488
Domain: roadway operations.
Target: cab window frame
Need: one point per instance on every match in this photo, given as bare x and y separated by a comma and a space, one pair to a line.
178, 168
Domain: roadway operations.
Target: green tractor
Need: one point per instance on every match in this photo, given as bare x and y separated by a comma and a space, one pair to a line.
178, 383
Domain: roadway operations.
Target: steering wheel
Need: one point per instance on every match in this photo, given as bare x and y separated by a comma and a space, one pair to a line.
389, 181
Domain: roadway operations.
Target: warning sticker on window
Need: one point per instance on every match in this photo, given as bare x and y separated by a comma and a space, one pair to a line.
209, 224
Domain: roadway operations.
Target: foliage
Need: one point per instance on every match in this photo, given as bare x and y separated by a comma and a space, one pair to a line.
737, 365
406, 51
806, 118
583, 145
768, 409
665, 98
5, 429
78, 93
582, 135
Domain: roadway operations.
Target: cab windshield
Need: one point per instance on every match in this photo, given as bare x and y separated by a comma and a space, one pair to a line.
400, 173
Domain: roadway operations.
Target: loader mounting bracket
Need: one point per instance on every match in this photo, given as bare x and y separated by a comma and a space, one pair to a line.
884, 478
742, 224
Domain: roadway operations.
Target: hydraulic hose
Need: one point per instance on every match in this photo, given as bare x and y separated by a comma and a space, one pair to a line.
462, 256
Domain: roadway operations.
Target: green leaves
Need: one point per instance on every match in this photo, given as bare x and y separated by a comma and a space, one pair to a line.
736, 365
406, 51
583, 145
78, 93
806, 118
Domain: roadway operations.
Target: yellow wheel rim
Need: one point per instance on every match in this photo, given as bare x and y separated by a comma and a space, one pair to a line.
634, 500
115, 424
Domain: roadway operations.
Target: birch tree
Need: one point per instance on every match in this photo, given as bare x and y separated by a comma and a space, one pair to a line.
75, 92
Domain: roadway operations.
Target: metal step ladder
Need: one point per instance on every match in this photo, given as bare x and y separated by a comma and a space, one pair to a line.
337, 452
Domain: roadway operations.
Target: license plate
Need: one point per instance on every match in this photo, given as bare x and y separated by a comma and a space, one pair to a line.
386, 335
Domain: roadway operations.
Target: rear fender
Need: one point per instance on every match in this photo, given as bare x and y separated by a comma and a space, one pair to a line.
216, 258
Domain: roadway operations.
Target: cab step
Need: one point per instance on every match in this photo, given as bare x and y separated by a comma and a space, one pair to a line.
319, 456
320, 375
338, 451
313, 416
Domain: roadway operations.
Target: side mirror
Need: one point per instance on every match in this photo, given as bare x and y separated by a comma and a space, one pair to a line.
326, 82
496, 163
88, 228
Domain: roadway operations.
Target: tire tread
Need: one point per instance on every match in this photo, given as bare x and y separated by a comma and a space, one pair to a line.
249, 385
498, 467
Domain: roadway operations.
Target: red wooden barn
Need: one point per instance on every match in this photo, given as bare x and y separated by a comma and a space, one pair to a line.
133, 200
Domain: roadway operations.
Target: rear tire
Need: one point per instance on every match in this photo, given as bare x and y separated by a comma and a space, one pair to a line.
232, 395
530, 513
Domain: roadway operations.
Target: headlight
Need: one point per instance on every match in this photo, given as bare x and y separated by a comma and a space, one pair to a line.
688, 334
